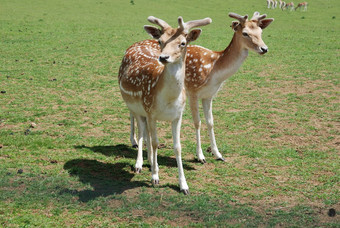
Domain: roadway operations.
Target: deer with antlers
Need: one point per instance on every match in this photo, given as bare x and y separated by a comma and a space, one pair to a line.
151, 81
206, 71
302, 4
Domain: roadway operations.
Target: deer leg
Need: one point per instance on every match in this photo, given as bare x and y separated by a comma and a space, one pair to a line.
147, 136
141, 128
197, 122
207, 108
153, 140
132, 131
176, 127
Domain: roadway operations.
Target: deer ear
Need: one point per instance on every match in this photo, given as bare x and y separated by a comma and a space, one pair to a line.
193, 35
234, 25
153, 31
265, 22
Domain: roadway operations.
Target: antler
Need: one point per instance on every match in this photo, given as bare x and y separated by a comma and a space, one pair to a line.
258, 17
240, 18
159, 22
192, 24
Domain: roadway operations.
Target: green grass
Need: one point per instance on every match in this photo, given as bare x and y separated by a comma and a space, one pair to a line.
276, 120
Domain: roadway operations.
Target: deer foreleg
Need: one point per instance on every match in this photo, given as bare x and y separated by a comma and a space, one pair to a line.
207, 108
152, 142
141, 122
176, 126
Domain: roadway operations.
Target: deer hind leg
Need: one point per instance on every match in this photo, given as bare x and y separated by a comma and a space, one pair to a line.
152, 143
149, 148
176, 126
207, 108
141, 122
197, 122
132, 131
133, 136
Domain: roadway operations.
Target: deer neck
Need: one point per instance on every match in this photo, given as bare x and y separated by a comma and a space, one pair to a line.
230, 60
173, 79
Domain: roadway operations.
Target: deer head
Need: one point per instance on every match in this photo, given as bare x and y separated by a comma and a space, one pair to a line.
173, 41
250, 32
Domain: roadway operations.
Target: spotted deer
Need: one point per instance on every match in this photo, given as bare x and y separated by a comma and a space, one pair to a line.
151, 81
206, 70
302, 4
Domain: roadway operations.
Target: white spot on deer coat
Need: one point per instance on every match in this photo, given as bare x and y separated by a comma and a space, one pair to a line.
207, 66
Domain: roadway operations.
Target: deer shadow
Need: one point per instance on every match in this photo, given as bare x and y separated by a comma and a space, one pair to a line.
109, 178
105, 179
124, 151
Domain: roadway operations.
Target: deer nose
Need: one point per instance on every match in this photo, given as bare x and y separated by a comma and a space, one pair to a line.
163, 58
264, 49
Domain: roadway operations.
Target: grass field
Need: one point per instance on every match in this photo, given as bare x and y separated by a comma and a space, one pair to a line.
277, 120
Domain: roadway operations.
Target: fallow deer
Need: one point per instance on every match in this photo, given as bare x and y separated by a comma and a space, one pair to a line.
151, 81
302, 4
290, 6
206, 71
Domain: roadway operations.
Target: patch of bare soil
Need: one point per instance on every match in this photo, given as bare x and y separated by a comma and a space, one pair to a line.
95, 132
268, 208
322, 135
181, 220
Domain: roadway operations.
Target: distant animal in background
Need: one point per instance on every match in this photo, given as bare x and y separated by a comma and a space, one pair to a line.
275, 4
282, 4
271, 4
302, 4
290, 6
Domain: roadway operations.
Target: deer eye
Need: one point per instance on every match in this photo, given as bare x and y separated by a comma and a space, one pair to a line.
183, 44
245, 34
160, 42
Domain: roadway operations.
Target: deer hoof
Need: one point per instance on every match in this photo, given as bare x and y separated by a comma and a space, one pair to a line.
138, 170
202, 160
155, 182
221, 159
185, 191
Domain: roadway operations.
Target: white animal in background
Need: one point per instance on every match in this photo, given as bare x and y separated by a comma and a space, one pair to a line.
282, 4
275, 4
271, 4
